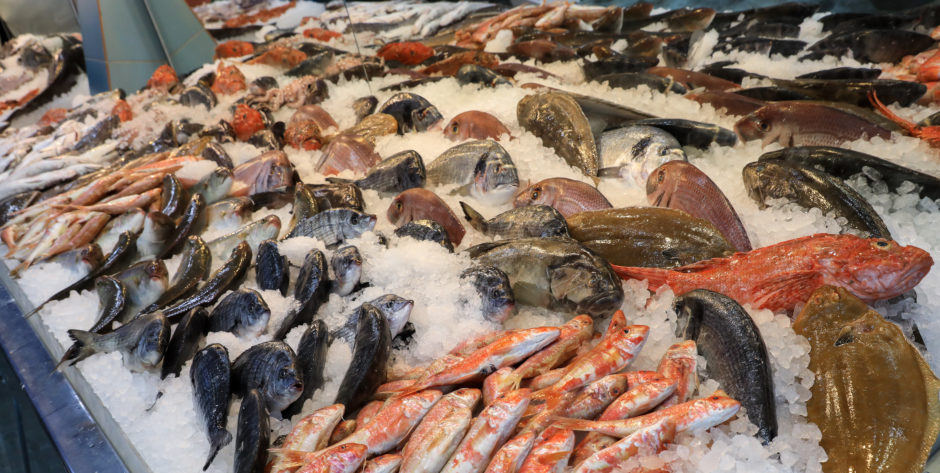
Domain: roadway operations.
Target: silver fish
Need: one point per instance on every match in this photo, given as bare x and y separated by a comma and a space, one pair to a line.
227, 213
346, 264
334, 226
482, 168
633, 152
156, 234
253, 233
215, 186
521, 222
130, 221
141, 342
396, 310
242, 312
145, 282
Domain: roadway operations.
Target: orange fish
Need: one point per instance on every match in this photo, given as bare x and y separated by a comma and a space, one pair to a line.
321, 34
163, 79
930, 134
123, 111
247, 122
649, 440
679, 364
410, 53
280, 56
53, 116
778, 277
228, 80
234, 48
449, 66
476, 125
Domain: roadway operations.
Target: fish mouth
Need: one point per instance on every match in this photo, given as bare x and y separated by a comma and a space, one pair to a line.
500, 194
746, 129
600, 305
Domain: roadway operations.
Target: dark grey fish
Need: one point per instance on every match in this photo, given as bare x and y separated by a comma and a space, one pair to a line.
227, 276
334, 226
842, 73
221, 132
211, 378
811, 188
370, 356
252, 438
97, 135
558, 120
155, 235
185, 227
214, 152
262, 84
426, 230
198, 94
412, 111
396, 309
617, 64
184, 342
271, 268
271, 368
112, 295
768, 46
474, 74
399, 172
337, 195
140, 342
145, 282
691, 133
735, 353
771, 93
311, 290
520, 222
632, 80
364, 106
10, 205
495, 291
215, 186
856, 91
242, 312
266, 140
346, 264
193, 268
171, 196
305, 205
311, 358
876, 46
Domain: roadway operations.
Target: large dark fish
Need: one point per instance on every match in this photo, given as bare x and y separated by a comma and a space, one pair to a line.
735, 353
311, 290
522, 222
558, 120
242, 312
228, 275
396, 173
193, 268
495, 291
271, 368
305, 205
252, 438
210, 376
556, 273
877, 46
845, 163
112, 296
370, 355
632, 80
337, 195
843, 73
185, 226
346, 264
271, 268
141, 342
691, 133
311, 358
855, 91
184, 342
811, 188
334, 226
395, 309
412, 111
145, 282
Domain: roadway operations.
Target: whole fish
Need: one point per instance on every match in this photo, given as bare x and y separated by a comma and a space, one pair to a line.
251, 439
488, 432
141, 342
734, 351
482, 169
253, 234
550, 453
395, 309
305, 205
420, 204
186, 225
112, 295
369, 357
145, 283
596, 396
334, 226
82, 260
270, 367
412, 111
440, 431
872, 45
311, 358
426, 230
230, 273
612, 354
567, 196
342, 458
811, 188
346, 264
215, 186
535, 221
193, 268
778, 277
554, 273
495, 291
476, 125
265, 173
184, 342
805, 124
573, 334
680, 185
311, 433
311, 290
647, 440
271, 268
635, 151
394, 422
210, 376
242, 312
509, 458
231, 213
396, 173
700, 135
560, 122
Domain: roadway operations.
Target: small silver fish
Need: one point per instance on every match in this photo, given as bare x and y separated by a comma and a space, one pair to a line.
635, 151
346, 264
141, 342
254, 233
483, 168
334, 226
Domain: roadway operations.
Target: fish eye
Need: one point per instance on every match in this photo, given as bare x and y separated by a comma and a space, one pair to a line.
354, 219
398, 205
453, 128
284, 374
535, 193
882, 244
660, 176
764, 126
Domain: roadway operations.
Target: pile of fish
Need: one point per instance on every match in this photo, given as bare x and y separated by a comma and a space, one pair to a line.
35, 69
238, 210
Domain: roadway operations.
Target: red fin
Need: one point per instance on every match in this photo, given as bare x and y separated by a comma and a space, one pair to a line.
703, 265
787, 290
656, 276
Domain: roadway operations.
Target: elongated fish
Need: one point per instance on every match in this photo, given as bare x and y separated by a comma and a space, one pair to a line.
311, 290
230, 272
193, 268
370, 354
271, 268
252, 438
112, 295
210, 376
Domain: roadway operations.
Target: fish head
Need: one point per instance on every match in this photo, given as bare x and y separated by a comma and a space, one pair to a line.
216, 185
410, 172
495, 290
656, 155
425, 118
346, 455
153, 341
713, 410
455, 129
495, 179
762, 124
581, 287
286, 385
397, 212
767, 180
396, 310
875, 268
347, 263
541, 193
360, 222
257, 312
268, 229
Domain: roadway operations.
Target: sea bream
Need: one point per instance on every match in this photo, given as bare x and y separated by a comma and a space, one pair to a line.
635, 151
141, 342
270, 367
482, 169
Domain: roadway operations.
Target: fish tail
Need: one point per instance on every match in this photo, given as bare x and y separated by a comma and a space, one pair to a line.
288, 458
83, 347
573, 424
477, 221
217, 440
656, 276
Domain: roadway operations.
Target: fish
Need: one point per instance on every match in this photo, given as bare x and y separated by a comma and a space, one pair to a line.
184, 342
215, 186
533, 221
612, 354
682, 186
574, 334
635, 151
509, 457
305, 205
648, 236
412, 111
251, 439
210, 376
495, 291
130, 221
311, 433
271, 268
155, 235
395, 309
730, 103
842, 73
193, 268
890, 425
112, 296
632, 80
550, 452
271, 368
342, 458
693, 80
337, 195
422, 204
434, 440
83, 260
364, 106
781, 276
647, 440
311, 358
734, 351
227, 275
426, 230
311, 290
141, 342
268, 172
185, 226
482, 169
567, 196
348, 152
679, 364
874, 46
560, 123
334, 226
811, 188
346, 265
476, 125
369, 356
396, 173
474, 74
855, 91
388, 463
242, 312
805, 124
596, 396
171, 196
145, 283
692, 133
497, 384
392, 424
488, 431
253, 234
556, 273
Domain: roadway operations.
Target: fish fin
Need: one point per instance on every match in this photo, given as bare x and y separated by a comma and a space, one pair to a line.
81, 349
702, 265
656, 276
573, 424
552, 458
339, 180
217, 440
287, 457
787, 290
476, 220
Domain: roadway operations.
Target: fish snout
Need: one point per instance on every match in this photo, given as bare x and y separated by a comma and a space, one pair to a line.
748, 128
